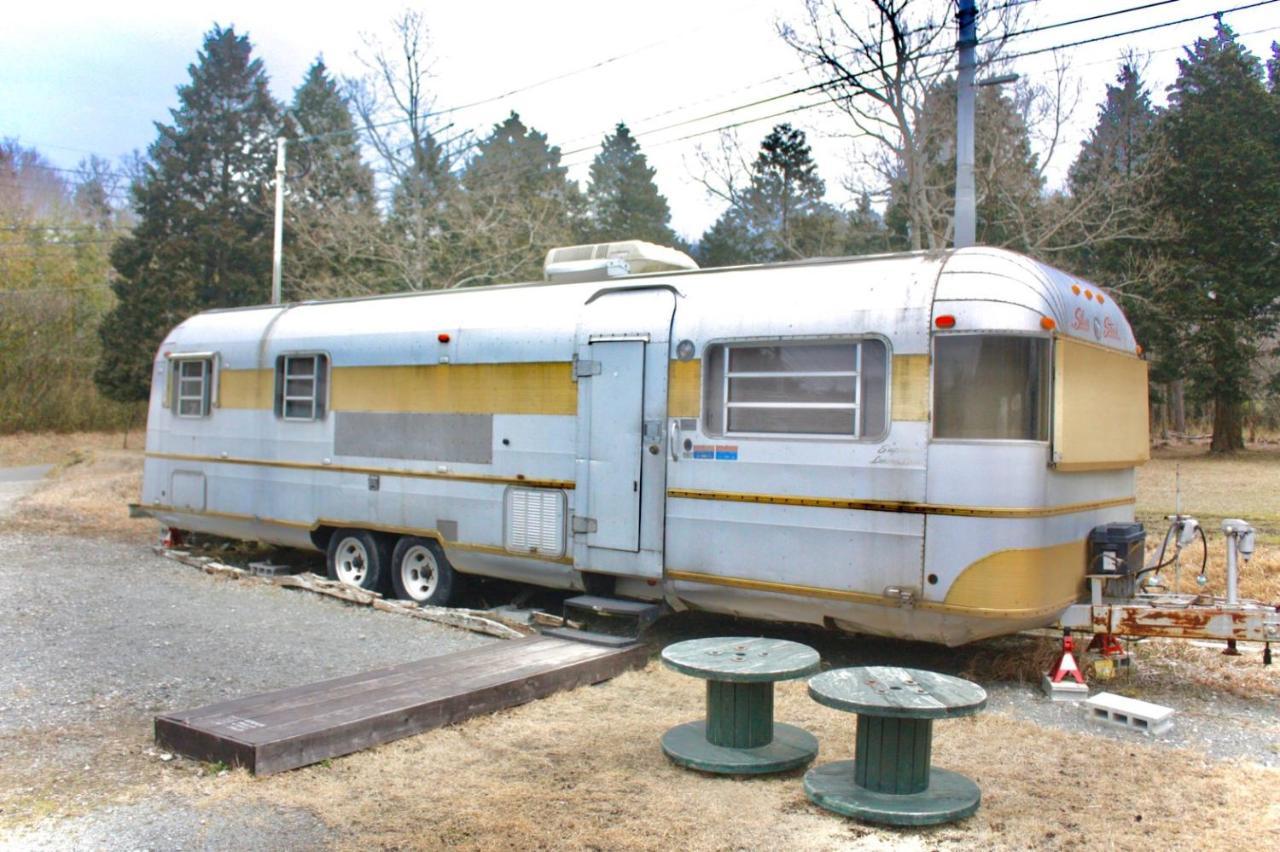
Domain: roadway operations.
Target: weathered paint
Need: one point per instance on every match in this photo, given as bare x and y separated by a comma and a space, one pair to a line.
1095, 424
1041, 579
910, 387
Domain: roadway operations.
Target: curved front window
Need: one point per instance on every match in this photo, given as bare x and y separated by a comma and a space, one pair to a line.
991, 387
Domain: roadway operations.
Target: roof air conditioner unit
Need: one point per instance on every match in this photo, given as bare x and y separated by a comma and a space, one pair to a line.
602, 261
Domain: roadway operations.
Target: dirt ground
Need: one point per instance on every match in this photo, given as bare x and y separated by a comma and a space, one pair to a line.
582, 770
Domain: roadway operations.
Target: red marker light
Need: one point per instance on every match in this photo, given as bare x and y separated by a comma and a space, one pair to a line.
442, 337
945, 321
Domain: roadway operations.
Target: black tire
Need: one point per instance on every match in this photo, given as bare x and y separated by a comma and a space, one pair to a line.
421, 573
358, 558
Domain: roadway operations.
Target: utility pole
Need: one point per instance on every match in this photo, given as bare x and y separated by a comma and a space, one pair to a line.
277, 251
966, 213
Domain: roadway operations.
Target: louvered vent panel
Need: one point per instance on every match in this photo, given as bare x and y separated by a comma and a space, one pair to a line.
535, 521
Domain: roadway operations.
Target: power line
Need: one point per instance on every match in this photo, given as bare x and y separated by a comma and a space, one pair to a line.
1090, 18
1136, 31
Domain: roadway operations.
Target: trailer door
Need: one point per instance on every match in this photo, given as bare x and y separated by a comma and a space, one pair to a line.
617, 426
622, 354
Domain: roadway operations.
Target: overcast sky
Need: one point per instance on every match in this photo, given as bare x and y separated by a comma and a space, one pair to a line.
79, 78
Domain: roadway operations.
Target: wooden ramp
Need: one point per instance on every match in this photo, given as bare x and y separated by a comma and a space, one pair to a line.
295, 727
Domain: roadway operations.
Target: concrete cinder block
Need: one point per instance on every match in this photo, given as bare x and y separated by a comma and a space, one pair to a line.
1107, 708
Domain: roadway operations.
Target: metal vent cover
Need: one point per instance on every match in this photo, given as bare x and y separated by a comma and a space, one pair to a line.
535, 521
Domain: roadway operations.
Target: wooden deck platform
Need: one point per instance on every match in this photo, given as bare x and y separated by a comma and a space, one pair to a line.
295, 727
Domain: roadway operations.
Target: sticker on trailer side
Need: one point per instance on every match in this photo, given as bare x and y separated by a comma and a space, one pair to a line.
717, 452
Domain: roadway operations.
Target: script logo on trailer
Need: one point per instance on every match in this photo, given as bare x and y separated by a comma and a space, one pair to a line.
1080, 322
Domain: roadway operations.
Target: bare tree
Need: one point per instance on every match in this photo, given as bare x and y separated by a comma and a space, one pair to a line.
416, 167
880, 63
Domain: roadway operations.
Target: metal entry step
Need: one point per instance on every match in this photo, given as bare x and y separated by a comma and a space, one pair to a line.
612, 622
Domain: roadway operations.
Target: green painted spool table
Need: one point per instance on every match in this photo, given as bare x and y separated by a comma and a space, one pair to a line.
890, 780
739, 736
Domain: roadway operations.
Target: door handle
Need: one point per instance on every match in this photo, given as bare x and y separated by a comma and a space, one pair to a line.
673, 439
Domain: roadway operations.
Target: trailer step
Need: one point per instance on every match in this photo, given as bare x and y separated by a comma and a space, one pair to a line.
610, 617
591, 637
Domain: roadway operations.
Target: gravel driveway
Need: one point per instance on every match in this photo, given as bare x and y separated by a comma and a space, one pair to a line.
100, 636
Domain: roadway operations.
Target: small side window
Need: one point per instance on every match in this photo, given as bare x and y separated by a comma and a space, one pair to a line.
301, 386
193, 381
812, 388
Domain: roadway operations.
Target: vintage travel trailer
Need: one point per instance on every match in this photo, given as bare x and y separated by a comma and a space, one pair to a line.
911, 445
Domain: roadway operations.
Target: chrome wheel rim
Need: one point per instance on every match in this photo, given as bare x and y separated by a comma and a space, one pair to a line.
419, 573
351, 562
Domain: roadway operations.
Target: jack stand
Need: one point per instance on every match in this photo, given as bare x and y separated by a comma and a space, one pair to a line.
1107, 645
1231, 649
1055, 683
1266, 654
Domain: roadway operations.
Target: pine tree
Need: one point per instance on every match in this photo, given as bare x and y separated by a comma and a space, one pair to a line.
1114, 224
203, 237
1222, 186
780, 215
1007, 179
519, 203
331, 206
623, 202
867, 233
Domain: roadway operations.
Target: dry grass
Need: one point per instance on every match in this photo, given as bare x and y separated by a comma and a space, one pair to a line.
583, 770
88, 491
29, 448
1242, 485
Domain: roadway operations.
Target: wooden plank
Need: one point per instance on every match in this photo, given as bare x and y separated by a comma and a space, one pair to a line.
293, 727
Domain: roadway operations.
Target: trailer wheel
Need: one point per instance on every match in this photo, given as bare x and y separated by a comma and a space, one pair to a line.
420, 572
356, 558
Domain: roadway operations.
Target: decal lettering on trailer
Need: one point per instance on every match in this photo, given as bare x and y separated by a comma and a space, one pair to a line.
716, 452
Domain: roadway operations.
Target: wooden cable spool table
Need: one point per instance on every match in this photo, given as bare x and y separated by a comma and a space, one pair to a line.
739, 735
890, 780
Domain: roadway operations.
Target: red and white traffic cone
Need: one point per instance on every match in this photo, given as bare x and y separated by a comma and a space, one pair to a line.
1065, 680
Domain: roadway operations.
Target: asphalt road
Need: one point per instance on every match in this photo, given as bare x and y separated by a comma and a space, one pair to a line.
17, 481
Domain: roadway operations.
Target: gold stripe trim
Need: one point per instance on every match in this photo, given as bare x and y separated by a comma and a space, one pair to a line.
512, 388
684, 389
861, 597
910, 388
383, 528
563, 484
902, 507
536, 387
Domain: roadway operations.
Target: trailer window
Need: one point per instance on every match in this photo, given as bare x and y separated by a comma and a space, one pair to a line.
301, 385
192, 384
796, 389
991, 387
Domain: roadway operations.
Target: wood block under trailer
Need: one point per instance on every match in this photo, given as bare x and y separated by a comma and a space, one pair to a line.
301, 725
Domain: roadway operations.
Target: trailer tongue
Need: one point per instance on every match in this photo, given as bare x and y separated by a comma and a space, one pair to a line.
1122, 604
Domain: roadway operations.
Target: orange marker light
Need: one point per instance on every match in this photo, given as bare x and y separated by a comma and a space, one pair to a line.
1138, 348
1088, 294
442, 337
1100, 300
1075, 288
945, 321
1047, 323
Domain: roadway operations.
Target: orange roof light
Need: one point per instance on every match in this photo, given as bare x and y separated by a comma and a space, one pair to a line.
945, 321
1088, 294
1075, 288
1100, 299
1047, 323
